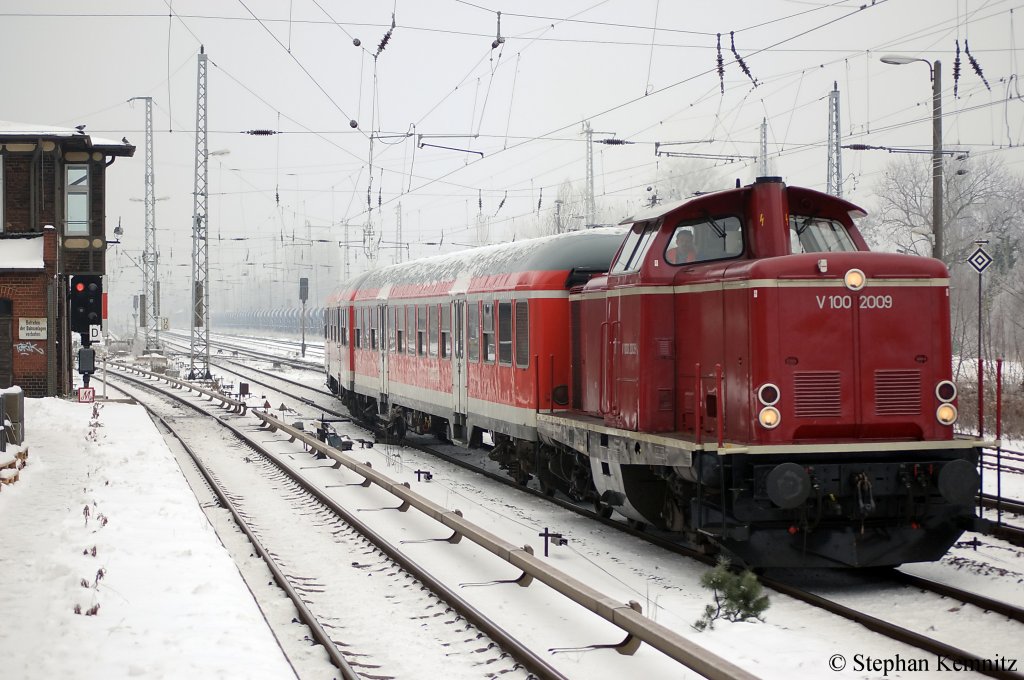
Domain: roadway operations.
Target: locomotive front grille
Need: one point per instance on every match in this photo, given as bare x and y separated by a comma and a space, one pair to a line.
897, 393
816, 394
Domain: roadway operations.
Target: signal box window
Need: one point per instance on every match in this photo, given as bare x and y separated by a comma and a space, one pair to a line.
473, 331
488, 323
76, 199
635, 248
399, 329
522, 334
713, 238
446, 331
505, 333
809, 234
432, 312
421, 330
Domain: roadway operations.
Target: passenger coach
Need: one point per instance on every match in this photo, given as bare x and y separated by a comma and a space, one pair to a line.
464, 343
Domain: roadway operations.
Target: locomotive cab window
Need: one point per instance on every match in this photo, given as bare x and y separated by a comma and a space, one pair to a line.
634, 248
810, 234
711, 238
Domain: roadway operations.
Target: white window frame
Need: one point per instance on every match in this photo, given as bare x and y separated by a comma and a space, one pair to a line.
76, 228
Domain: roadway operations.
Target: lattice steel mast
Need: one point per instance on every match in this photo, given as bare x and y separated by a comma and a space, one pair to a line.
150, 280
591, 204
762, 162
834, 184
199, 364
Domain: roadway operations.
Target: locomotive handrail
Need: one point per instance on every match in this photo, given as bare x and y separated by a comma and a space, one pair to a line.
621, 615
235, 405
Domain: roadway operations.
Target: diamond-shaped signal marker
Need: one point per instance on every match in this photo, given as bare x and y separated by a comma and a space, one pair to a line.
980, 260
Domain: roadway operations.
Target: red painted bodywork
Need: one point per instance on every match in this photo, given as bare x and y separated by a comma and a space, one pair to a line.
766, 317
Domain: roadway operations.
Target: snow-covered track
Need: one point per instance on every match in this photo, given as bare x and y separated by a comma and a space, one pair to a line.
303, 560
625, 616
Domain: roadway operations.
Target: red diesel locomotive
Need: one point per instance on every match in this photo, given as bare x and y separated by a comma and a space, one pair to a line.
736, 368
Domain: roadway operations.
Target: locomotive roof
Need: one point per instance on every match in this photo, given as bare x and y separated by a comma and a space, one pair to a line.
796, 193
587, 249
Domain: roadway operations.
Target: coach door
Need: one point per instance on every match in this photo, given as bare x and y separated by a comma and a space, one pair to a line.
460, 381
384, 340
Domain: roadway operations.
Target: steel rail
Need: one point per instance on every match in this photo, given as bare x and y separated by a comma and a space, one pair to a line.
307, 617
522, 653
891, 630
625, 616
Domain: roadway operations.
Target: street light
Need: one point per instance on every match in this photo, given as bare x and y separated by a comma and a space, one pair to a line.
935, 73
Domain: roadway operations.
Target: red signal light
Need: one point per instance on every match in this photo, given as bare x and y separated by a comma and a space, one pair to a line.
79, 287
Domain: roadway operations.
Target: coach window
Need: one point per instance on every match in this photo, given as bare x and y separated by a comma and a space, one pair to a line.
359, 328
399, 344
473, 330
76, 196
343, 326
410, 329
522, 334
421, 330
446, 331
505, 333
635, 247
432, 313
373, 327
488, 323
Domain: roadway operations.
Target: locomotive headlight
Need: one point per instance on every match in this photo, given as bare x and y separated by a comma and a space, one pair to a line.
855, 279
945, 391
946, 414
769, 417
768, 394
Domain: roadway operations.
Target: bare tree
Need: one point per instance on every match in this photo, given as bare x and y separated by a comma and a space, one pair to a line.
983, 200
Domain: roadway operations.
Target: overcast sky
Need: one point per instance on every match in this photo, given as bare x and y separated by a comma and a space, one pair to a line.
512, 116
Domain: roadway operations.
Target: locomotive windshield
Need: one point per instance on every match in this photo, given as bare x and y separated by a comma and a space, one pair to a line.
635, 247
809, 234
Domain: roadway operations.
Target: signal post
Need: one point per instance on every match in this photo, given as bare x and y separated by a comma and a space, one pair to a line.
85, 305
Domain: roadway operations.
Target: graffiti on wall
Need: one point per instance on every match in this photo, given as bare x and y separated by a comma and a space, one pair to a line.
24, 348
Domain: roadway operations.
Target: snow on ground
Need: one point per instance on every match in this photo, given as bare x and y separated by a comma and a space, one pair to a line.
103, 521
171, 602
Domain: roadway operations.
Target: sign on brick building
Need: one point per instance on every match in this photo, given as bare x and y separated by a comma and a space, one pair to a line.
32, 328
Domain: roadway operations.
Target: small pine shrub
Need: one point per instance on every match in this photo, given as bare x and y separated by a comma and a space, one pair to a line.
738, 596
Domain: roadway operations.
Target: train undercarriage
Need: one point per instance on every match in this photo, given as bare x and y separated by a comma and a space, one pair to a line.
765, 510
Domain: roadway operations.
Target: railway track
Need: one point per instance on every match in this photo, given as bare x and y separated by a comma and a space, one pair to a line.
904, 634
299, 485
